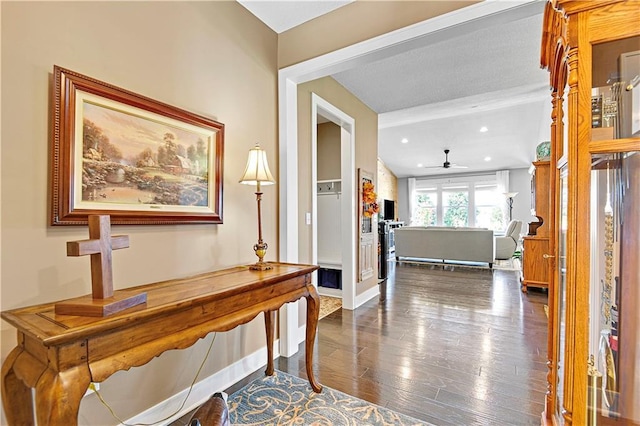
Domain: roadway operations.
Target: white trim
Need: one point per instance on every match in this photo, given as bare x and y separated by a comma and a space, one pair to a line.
402, 40
288, 320
314, 183
203, 390
301, 334
288, 173
348, 214
363, 298
347, 177
331, 292
330, 265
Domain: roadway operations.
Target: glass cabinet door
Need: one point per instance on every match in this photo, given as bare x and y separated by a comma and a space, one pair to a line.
614, 323
615, 93
614, 295
561, 290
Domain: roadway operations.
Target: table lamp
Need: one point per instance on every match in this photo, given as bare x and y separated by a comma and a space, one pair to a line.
257, 173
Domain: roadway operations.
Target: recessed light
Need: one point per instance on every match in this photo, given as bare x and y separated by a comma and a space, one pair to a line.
487, 158
419, 164
404, 140
484, 129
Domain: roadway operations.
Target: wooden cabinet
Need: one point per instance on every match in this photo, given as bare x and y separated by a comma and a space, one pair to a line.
536, 248
535, 264
590, 49
540, 194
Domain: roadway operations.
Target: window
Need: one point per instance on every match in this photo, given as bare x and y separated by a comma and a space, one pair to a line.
455, 206
426, 208
488, 213
458, 202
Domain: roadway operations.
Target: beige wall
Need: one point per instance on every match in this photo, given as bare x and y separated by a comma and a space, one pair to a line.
387, 182
353, 23
366, 151
329, 151
211, 58
387, 185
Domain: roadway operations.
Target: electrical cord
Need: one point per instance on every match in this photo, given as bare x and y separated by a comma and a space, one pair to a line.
122, 422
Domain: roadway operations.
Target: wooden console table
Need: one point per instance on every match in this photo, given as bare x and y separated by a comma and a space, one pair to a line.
60, 355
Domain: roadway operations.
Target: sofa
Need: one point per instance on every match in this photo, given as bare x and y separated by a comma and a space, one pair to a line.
506, 244
445, 243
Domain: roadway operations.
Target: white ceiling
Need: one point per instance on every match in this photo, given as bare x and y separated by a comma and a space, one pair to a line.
438, 95
281, 16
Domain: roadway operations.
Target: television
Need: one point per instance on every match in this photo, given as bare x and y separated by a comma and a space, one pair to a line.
389, 210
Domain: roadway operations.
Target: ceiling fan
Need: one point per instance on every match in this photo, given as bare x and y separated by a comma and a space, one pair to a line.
446, 164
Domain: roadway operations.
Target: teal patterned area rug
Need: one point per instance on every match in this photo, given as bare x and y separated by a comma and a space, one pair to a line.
283, 399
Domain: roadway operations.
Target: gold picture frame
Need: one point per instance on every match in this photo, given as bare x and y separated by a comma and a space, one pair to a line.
135, 159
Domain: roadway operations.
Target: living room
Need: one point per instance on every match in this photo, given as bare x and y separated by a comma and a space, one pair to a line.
214, 59
108, 41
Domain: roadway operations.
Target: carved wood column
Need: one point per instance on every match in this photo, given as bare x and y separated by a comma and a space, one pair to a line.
552, 373
572, 237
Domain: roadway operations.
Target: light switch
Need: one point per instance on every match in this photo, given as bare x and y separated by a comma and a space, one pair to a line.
307, 218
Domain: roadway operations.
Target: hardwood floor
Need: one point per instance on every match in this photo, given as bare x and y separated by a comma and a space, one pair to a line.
450, 346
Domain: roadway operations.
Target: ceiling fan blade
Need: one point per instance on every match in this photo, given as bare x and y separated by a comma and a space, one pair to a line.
446, 165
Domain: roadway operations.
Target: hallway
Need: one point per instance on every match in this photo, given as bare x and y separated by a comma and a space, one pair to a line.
452, 346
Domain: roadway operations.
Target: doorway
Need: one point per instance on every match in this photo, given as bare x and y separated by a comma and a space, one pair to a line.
333, 247
291, 334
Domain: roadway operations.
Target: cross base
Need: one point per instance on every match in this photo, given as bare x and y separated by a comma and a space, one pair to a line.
89, 307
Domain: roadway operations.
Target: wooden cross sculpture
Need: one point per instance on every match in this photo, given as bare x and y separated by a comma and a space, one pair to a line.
102, 301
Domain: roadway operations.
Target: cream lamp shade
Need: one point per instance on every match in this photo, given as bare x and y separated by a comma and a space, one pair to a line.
257, 171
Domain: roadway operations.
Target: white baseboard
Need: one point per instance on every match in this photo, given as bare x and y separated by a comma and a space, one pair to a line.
302, 334
203, 390
331, 292
367, 295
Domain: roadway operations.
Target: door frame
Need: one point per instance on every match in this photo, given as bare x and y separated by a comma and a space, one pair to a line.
348, 206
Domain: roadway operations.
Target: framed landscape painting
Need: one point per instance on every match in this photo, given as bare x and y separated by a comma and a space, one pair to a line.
138, 160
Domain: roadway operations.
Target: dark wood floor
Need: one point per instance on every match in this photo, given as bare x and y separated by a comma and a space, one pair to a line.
453, 346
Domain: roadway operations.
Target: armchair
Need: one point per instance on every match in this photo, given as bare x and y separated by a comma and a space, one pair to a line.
506, 245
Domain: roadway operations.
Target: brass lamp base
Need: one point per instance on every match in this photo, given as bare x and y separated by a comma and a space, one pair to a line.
261, 250
260, 266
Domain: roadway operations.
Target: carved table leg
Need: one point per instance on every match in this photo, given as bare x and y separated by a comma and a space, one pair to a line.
269, 325
58, 395
313, 310
16, 395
